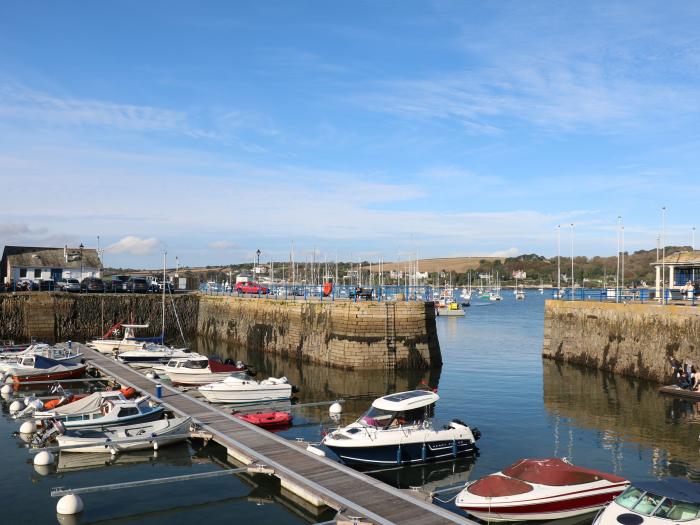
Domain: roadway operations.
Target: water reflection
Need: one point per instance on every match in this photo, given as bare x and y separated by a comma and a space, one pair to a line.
625, 411
320, 383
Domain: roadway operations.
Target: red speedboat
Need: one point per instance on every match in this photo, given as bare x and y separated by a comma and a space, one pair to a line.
267, 419
539, 489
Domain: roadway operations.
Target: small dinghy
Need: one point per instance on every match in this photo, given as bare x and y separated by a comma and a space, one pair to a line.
124, 438
238, 388
45, 369
267, 419
539, 489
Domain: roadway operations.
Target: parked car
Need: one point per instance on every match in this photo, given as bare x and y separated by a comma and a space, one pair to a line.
92, 284
119, 283
137, 285
68, 285
251, 287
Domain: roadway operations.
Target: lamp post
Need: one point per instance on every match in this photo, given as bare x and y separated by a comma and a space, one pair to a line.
558, 261
257, 261
81, 262
573, 281
663, 254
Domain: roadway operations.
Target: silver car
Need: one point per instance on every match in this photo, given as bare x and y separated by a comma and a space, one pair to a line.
68, 285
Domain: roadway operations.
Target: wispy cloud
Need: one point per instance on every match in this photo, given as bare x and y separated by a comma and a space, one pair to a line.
133, 245
223, 245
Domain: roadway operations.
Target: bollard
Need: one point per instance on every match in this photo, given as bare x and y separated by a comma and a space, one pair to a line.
159, 390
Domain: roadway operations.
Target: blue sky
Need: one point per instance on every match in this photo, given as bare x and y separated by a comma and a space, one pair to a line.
366, 129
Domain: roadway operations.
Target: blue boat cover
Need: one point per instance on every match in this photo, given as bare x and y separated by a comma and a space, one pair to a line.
44, 362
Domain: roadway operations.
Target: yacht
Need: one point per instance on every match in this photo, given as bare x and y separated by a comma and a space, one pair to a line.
199, 370
109, 344
398, 429
152, 353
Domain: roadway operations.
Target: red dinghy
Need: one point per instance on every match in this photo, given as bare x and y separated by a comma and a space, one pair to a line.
539, 489
267, 419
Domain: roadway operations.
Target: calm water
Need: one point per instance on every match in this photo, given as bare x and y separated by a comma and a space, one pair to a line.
493, 378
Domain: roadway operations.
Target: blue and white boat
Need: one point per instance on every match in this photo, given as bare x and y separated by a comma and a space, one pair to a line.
398, 429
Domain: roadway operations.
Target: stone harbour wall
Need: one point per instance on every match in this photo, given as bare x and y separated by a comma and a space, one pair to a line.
630, 339
344, 334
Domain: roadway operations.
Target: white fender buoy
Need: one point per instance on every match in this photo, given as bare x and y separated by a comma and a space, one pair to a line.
8, 379
316, 451
28, 427
335, 408
43, 470
69, 504
6, 389
113, 451
43, 458
28, 400
38, 404
16, 406
150, 374
155, 445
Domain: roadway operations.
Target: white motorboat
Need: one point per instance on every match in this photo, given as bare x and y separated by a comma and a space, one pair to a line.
446, 304
239, 388
539, 489
125, 438
666, 502
520, 294
398, 429
152, 354
24, 360
109, 345
199, 370
101, 413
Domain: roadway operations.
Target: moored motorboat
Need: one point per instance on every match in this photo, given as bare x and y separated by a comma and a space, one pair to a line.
199, 370
152, 353
109, 344
666, 502
539, 489
238, 388
398, 429
137, 436
45, 369
10, 361
103, 412
267, 419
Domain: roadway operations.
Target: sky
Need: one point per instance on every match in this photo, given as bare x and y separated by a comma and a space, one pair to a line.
361, 130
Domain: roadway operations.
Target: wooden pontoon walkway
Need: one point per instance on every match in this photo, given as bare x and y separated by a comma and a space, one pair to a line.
308, 475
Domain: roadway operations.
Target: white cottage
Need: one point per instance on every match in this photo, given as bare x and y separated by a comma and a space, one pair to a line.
43, 264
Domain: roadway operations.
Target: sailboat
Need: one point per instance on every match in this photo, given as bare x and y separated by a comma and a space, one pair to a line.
495, 293
155, 353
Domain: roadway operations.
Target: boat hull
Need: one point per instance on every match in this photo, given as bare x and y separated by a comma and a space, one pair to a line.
409, 452
108, 346
74, 423
197, 379
257, 395
76, 373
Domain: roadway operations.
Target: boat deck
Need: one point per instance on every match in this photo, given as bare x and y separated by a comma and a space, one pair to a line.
673, 390
312, 477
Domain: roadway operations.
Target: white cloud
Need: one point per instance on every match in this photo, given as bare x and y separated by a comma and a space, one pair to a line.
13, 229
133, 245
223, 245
510, 252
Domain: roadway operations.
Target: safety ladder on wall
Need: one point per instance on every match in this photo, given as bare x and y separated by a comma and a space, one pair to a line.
390, 334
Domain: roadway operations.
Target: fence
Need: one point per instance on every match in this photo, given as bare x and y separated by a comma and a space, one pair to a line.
621, 295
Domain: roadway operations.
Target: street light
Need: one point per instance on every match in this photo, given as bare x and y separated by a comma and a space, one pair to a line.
257, 262
573, 281
663, 254
81, 262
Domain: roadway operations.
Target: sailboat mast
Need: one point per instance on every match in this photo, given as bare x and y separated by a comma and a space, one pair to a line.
162, 330
558, 257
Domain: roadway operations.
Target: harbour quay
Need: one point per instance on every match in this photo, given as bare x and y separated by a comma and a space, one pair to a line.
632, 339
341, 333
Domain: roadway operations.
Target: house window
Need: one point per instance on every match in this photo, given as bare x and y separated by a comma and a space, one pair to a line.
37, 274
22, 272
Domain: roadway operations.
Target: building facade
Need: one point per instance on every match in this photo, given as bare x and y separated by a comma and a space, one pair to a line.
678, 271
20, 263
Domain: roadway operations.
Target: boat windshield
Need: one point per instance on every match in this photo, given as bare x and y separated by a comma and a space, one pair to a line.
196, 363
648, 504
379, 418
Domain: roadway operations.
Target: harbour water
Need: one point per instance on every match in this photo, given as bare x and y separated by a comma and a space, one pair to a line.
493, 378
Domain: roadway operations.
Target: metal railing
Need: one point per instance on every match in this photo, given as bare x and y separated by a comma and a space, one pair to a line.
623, 295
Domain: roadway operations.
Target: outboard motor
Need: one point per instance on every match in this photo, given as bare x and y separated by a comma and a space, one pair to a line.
52, 428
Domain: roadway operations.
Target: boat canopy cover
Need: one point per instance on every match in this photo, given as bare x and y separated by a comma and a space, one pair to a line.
87, 404
406, 400
45, 362
556, 472
674, 488
218, 366
43, 366
495, 486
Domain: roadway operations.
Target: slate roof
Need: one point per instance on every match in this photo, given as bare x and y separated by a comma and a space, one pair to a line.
689, 258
